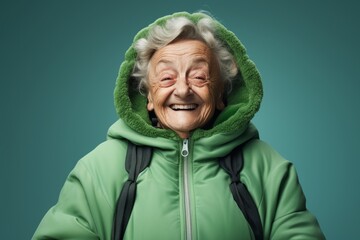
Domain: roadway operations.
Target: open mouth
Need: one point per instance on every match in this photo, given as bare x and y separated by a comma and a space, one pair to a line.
183, 107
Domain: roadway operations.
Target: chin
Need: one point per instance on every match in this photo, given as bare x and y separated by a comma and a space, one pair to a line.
185, 128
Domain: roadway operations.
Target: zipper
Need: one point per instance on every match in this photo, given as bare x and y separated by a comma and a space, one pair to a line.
185, 154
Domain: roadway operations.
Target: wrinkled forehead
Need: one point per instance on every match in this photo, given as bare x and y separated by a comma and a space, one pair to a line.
184, 53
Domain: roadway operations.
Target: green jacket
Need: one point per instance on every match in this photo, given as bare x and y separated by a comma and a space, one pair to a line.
183, 197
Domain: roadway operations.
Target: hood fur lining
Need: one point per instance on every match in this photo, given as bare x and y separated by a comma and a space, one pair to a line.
242, 103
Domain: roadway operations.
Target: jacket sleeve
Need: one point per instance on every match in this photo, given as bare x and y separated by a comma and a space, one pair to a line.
73, 216
285, 209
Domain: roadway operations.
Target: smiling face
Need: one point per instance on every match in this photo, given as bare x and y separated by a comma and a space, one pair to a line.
184, 86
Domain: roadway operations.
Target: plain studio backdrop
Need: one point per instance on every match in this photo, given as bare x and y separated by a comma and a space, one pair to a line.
59, 62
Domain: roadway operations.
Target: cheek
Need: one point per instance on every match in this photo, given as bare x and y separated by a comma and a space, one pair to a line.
213, 97
158, 96
208, 98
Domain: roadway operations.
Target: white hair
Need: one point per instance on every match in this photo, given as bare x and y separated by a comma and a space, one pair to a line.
177, 28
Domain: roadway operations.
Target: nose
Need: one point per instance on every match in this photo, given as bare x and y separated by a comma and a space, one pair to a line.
182, 87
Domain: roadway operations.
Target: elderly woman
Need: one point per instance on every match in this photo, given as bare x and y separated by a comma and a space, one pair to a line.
188, 91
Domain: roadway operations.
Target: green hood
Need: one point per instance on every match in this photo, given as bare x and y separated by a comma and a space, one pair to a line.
242, 103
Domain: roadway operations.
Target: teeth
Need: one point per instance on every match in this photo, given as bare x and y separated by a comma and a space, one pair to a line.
183, 106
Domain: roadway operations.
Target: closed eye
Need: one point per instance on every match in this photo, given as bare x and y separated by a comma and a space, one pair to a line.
199, 81
167, 81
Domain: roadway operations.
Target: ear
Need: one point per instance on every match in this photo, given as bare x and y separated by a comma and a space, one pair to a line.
150, 104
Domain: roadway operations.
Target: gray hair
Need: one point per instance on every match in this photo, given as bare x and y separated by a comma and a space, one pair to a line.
177, 28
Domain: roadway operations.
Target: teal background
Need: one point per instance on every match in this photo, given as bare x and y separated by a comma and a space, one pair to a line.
59, 62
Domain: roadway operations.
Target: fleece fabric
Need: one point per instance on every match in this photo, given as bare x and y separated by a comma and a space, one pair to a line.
183, 197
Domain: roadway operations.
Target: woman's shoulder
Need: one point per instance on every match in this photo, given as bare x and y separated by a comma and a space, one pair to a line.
262, 161
103, 165
260, 152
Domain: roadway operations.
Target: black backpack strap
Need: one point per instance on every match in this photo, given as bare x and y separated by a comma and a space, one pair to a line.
233, 164
137, 159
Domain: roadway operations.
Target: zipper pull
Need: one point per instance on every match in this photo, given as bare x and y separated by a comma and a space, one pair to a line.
185, 148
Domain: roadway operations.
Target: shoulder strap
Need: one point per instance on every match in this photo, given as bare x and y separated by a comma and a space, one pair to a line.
137, 159
233, 164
